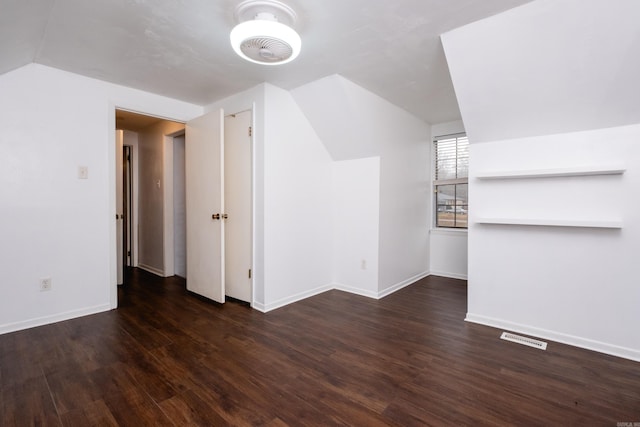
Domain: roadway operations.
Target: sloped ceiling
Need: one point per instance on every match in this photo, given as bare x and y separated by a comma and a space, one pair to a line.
548, 67
180, 49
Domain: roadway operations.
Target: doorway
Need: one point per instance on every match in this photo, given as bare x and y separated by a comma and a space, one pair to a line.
179, 208
237, 226
125, 205
238, 206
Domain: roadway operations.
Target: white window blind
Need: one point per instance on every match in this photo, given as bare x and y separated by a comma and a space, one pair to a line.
451, 181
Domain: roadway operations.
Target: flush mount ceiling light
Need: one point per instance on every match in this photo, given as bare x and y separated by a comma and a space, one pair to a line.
264, 34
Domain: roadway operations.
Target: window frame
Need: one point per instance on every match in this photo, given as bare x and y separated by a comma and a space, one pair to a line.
451, 181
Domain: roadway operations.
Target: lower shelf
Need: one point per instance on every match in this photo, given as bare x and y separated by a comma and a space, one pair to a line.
551, 222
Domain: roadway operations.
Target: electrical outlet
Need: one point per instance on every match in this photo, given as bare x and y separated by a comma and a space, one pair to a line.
363, 264
83, 172
45, 284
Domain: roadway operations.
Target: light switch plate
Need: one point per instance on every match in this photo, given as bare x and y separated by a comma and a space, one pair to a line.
83, 172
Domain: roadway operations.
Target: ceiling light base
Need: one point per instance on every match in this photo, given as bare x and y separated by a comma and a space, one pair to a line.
250, 9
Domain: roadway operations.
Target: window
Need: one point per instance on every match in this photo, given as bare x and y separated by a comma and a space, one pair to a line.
451, 184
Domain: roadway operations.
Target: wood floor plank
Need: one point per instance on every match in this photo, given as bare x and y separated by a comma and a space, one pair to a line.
167, 357
94, 414
28, 403
188, 409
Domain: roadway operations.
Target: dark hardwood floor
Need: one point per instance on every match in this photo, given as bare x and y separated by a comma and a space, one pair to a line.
166, 357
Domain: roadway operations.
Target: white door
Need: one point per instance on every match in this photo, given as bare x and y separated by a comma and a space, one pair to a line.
179, 209
119, 207
237, 191
204, 180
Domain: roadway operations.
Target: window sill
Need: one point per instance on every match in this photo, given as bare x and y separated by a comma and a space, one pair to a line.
448, 231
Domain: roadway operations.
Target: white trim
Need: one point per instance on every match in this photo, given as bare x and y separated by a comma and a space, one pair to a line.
446, 231
152, 270
134, 200
254, 203
551, 222
550, 173
450, 275
258, 306
391, 289
168, 249
356, 291
291, 299
110, 214
614, 350
59, 317
339, 287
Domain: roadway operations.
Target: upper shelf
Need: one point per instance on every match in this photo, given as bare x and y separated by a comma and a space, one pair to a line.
549, 173
552, 222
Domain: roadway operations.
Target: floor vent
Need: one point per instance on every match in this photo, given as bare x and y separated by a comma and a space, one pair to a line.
524, 340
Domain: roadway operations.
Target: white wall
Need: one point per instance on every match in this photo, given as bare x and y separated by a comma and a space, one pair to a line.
547, 67
155, 190
179, 208
345, 126
292, 199
574, 285
448, 247
448, 253
404, 151
152, 182
356, 224
294, 193
519, 95
54, 224
354, 123
297, 208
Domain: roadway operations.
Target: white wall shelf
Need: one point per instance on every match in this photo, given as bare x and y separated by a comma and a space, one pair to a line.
549, 173
551, 222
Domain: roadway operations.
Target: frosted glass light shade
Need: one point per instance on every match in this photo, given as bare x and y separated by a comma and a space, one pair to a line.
270, 31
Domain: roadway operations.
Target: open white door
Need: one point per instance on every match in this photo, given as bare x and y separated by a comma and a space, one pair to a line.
119, 208
204, 182
237, 203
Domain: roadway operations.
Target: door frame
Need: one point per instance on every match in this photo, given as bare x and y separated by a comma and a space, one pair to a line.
111, 168
134, 201
251, 191
168, 240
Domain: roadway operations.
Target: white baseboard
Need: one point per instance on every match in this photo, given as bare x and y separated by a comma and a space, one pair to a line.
58, 317
258, 306
380, 294
449, 275
601, 347
340, 287
151, 270
403, 284
355, 291
293, 298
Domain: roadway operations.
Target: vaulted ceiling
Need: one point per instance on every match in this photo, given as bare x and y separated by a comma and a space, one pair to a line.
181, 49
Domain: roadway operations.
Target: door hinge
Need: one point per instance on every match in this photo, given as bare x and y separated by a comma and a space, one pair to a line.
250, 131
249, 273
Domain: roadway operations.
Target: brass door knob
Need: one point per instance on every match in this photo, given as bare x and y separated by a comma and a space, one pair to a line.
215, 216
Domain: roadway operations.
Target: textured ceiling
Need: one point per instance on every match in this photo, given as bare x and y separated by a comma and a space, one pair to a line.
180, 48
